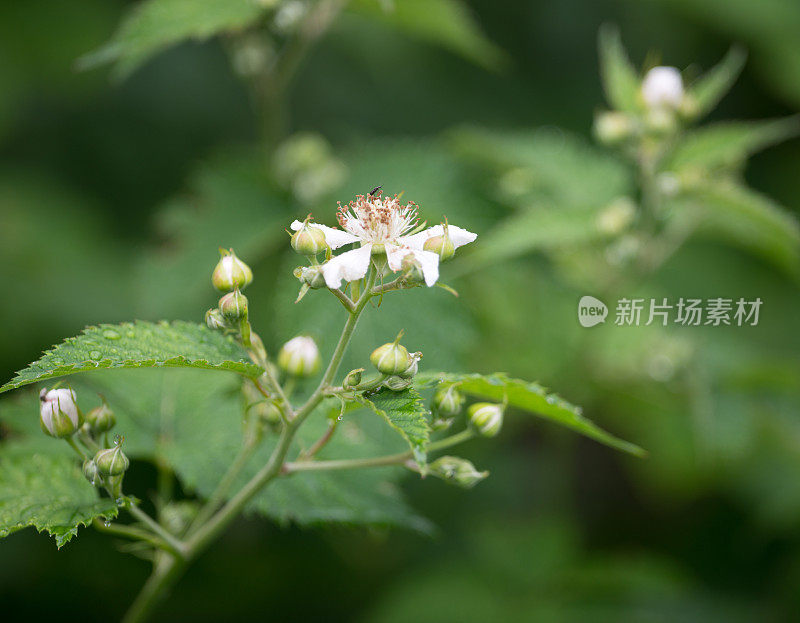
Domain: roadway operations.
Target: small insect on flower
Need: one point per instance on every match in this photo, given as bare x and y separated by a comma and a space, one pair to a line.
383, 224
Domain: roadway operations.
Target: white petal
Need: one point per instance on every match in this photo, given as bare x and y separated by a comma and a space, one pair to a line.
459, 236
430, 266
334, 237
427, 260
350, 265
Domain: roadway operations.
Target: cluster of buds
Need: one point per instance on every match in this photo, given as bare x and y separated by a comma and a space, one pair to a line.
61, 417
231, 275
663, 103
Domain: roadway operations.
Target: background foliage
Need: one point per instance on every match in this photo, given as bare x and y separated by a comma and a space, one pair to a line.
115, 194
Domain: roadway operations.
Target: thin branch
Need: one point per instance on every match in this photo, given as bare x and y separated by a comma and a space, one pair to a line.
343, 298
378, 461
178, 547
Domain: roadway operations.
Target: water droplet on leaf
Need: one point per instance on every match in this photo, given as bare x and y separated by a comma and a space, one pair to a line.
95, 354
110, 334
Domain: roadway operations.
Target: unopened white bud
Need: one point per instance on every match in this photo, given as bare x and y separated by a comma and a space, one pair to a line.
456, 470
312, 276
299, 356
112, 461
59, 413
233, 306
231, 273
486, 418
441, 245
616, 216
448, 401
662, 87
391, 358
309, 240
612, 128
215, 320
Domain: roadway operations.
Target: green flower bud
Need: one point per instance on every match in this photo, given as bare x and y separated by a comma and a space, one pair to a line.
456, 470
391, 358
233, 306
101, 419
231, 273
299, 357
448, 401
309, 240
412, 269
312, 276
59, 413
441, 245
215, 320
612, 128
397, 383
353, 378
486, 418
112, 461
90, 471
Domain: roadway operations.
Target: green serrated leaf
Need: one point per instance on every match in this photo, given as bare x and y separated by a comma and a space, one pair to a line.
530, 397
406, 413
47, 492
154, 25
727, 145
711, 87
139, 345
739, 215
191, 420
447, 23
620, 80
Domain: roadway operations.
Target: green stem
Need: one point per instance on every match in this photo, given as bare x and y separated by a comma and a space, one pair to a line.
221, 492
131, 533
178, 548
165, 575
378, 461
345, 300
77, 448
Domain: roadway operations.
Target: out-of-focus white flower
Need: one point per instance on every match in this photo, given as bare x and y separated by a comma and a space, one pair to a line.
59, 412
662, 87
382, 224
299, 356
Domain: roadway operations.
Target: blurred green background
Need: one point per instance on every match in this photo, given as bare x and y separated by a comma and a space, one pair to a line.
115, 193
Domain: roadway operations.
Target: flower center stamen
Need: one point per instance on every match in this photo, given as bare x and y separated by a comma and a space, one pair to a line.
377, 219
